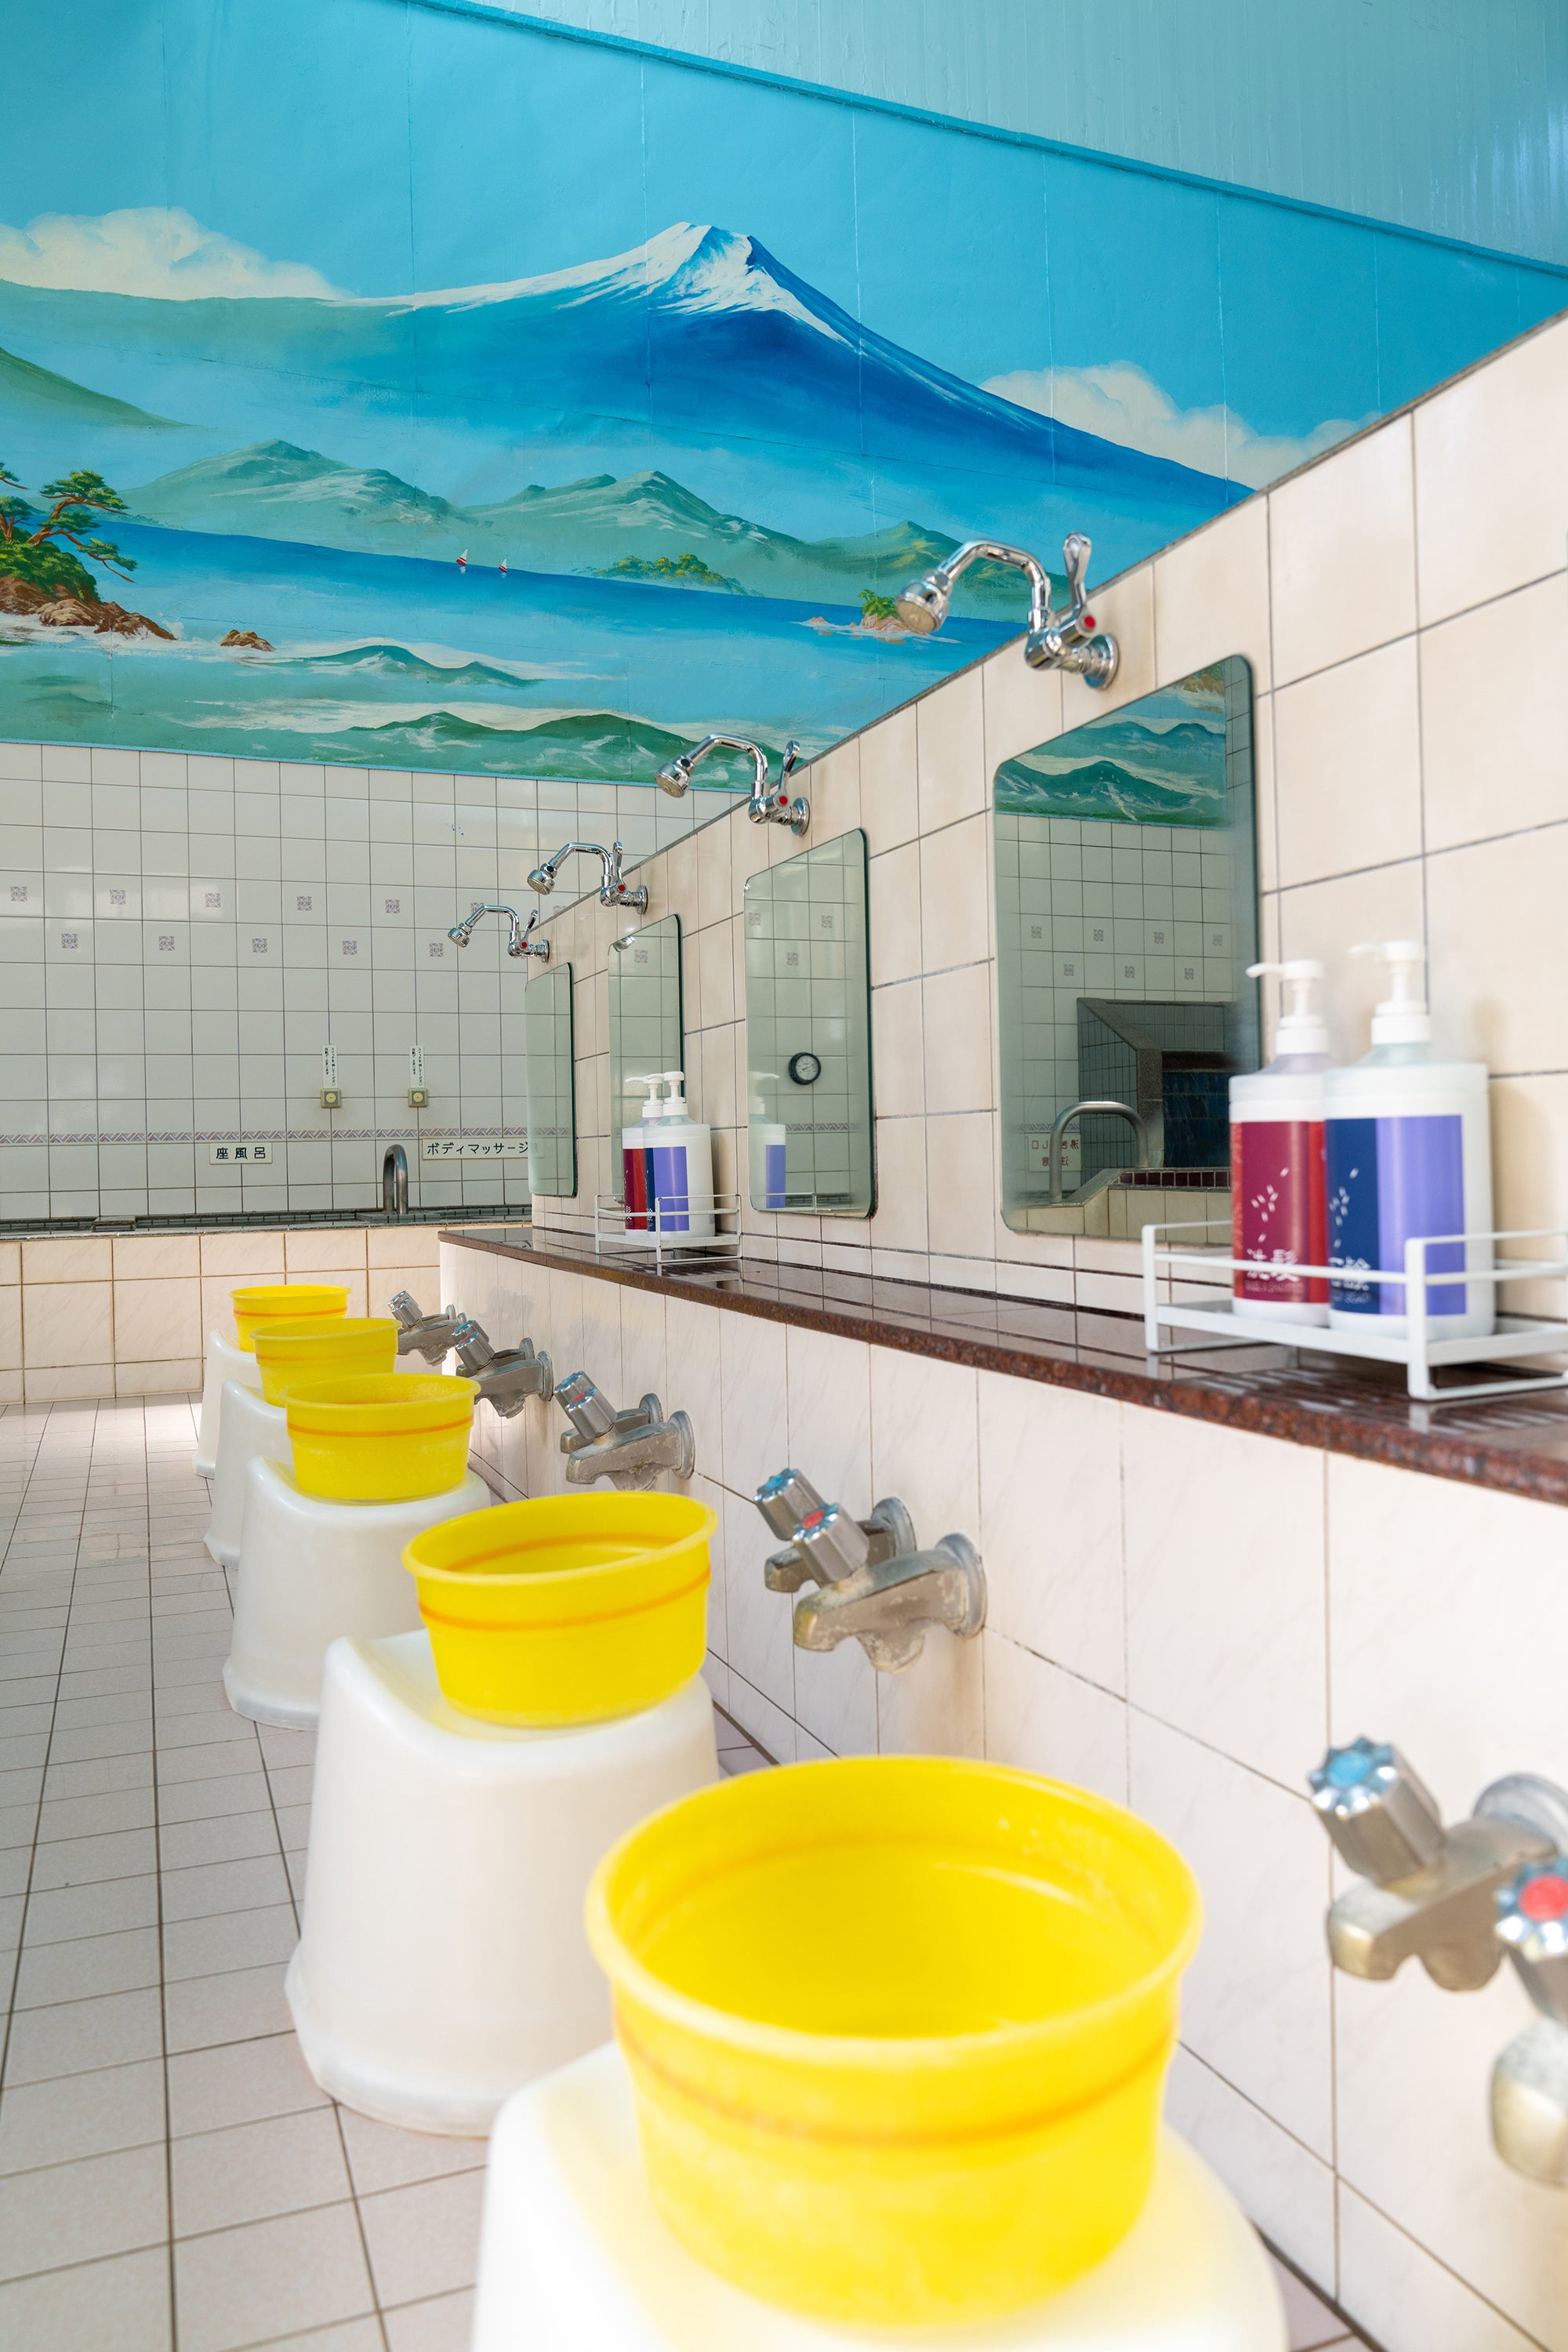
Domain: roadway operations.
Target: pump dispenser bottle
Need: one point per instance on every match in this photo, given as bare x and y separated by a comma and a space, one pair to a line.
1278, 1213
636, 1156
679, 1205
1407, 1152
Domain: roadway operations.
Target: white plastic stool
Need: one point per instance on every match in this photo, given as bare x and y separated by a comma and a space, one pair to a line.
225, 1362
249, 1427
443, 1962
311, 1570
574, 2256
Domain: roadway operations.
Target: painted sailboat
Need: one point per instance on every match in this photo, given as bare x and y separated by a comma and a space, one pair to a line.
463, 560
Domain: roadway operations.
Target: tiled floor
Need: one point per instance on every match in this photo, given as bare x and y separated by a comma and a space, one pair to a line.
174, 2182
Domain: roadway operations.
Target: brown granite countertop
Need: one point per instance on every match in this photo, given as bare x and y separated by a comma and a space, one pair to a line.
1520, 1444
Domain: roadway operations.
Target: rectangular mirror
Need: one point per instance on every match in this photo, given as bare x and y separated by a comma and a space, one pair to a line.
808, 1034
552, 1096
1127, 915
646, 1029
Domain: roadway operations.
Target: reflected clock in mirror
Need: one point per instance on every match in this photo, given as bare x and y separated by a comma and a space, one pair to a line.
1127, 915
808, 1034
552, 1098
646, 1029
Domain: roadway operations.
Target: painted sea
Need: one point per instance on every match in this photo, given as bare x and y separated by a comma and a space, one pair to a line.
399, 660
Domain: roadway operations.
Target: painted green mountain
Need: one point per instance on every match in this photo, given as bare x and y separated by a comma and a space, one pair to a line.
274, 489
1102, 791
397, 661
589, 746
35, 396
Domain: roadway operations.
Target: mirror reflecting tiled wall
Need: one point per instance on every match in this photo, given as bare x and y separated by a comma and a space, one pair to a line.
808, 1033
644, 1022
552, 1082
1127, 915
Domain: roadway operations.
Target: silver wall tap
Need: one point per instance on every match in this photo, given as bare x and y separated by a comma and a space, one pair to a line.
1063, 1120
629, 1448
518, 942
1067, 640
1459, 1897
419, 1334
613, 890
769, 804
873, 1585
507, 1377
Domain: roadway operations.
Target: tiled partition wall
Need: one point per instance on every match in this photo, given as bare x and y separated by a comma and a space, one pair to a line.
179, 937
1181, 1615
94, 1316
1404, 604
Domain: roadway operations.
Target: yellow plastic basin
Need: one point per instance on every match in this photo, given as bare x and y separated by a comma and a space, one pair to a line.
317, 1347
898, 2029
568, 1609
380, 1437
284, 1302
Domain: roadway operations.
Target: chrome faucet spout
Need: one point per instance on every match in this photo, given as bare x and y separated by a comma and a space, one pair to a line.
430, 1336
874, 1584
1055, 1196
1070, 639
629, 1448
520, 941
890, 1606
507, 1377
613, 890
769, 805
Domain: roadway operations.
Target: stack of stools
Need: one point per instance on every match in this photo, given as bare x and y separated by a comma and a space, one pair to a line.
373, 1459
468, 1780
243, 1421
894, 2035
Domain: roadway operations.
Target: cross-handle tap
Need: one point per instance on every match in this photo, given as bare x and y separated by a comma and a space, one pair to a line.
873, 1584
507, 1377
629, 1448
613, 890
788, 1499
419, 1334
1530, 2080
1424, 1888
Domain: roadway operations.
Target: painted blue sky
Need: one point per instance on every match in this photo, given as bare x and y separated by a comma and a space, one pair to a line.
392, 149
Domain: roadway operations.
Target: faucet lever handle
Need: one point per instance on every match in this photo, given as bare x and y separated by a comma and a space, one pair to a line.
1077, 549
585, 1406
836, 1545
1381, 1816
405, 1310
473, 1345
785, 1500
1532, 1925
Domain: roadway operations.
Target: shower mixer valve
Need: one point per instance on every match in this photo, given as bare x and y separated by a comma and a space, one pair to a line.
874, 1585
506, 1377
614, 891
1459, 1898
769, 804
629, 1448
419, 1334
1070, 640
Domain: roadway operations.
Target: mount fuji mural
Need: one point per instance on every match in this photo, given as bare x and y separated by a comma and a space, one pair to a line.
561, 515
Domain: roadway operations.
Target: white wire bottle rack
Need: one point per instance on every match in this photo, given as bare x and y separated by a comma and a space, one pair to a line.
1217, 1324
666, 1243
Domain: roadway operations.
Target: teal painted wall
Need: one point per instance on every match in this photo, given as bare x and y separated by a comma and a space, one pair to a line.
1440, 115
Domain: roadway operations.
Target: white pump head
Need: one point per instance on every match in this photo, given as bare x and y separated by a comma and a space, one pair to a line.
1302, 1029
675, 1104
653, 1108
1402, 1019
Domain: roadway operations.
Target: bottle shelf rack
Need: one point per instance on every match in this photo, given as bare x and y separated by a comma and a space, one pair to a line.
1422, 1350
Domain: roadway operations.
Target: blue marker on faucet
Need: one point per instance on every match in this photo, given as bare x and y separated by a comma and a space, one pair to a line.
1407, 1154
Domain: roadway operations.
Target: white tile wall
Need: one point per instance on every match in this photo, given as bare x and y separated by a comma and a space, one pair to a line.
179, 937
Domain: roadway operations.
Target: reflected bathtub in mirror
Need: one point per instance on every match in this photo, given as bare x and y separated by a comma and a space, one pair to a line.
552, 1096
1127, 915
808, 1034
646, 1028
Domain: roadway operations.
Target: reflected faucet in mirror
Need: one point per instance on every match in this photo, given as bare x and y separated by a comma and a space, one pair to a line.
518, 939
769, 804
1063, 1120
613, 890
1068, 640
